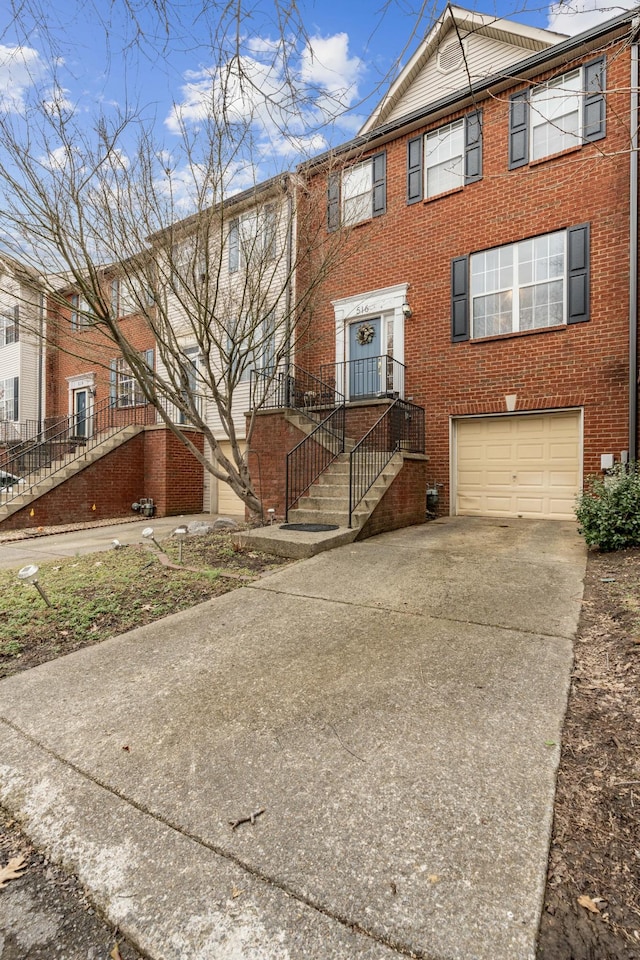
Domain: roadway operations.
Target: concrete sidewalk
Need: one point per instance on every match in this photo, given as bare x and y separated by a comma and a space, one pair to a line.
395, 707
18, 552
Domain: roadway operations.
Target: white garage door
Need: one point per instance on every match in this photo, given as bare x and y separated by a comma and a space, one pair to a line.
518, 466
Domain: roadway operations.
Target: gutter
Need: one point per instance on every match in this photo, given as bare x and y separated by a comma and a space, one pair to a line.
633, 245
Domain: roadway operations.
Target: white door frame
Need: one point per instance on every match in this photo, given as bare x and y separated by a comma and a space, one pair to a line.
82, 382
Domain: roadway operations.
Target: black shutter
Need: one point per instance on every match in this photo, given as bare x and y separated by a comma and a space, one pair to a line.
379, 176
519, 129
473, 147
594, 105
16, 398
333, 201
459, 299
234, 246
578, 273
414, 169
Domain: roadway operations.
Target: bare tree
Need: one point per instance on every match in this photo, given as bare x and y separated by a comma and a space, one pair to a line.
99, 209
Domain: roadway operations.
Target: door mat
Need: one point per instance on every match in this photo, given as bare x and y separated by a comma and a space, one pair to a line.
309, 527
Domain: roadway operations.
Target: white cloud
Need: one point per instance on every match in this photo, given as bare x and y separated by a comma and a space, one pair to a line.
326, 65
20, 69
280, 97
577, 15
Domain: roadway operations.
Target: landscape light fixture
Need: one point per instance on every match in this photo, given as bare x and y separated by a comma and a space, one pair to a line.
180, 533
29, 574
147, 534
272, 513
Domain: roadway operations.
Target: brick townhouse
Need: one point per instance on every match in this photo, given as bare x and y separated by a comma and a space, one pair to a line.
490, 263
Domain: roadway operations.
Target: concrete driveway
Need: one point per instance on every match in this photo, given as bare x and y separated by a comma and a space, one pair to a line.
395, 708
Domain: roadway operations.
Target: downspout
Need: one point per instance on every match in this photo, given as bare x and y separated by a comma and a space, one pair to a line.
287, 304
633, 248
41, 335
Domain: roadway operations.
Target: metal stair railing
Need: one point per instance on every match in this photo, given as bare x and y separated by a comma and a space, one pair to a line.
63, 443
312, 456
401, 427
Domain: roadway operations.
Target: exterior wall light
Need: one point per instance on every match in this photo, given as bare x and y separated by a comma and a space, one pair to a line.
147, 534
407, 312
29, 574
181, 534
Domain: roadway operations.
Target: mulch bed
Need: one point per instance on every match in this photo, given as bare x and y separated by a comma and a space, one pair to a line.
592, 900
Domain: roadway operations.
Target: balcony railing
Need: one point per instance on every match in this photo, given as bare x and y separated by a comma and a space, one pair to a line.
366, 378
296, 389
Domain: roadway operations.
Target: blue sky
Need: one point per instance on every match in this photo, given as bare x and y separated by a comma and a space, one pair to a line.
357, 46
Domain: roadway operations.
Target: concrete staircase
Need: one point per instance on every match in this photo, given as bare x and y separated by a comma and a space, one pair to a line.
328, 499
327, 502
60, 470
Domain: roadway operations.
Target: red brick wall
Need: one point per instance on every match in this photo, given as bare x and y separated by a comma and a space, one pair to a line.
78, 352
111, 485
173, 477
272, 438
153, 464
584, 364
404, 503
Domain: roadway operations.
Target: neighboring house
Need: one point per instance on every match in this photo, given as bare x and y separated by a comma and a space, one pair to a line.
488, 274
21, 351
85, 371
231, 313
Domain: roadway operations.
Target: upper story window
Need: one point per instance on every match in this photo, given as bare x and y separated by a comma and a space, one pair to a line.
445, 159
536, 283
554, 116
253, 237
9, 326
122, 299
358, 193
82, 317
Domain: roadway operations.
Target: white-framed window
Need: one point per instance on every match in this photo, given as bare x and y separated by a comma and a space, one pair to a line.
253, 237
9, 327
564, 112
358, 192
444, 158
82, 317
121, 298
9, 399
192, 392
556, 115
127, 389
521, 286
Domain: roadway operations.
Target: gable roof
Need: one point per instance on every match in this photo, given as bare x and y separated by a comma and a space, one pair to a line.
461, 48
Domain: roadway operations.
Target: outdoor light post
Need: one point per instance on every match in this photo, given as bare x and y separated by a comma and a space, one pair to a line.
29, 574
180, 533
147, 534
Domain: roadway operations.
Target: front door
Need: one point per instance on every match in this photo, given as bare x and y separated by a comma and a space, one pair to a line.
365, 358
80, 423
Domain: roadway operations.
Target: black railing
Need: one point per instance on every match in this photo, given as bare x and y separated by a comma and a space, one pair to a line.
401, 427
311, 457
294, 388
67, 441
366, 377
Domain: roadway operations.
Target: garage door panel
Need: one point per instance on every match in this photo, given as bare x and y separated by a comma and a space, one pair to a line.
518, 466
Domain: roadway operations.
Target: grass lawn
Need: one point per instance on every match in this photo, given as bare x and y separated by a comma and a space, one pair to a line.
99, 595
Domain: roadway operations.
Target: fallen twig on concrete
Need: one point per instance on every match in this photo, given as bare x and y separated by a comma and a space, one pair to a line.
250, 819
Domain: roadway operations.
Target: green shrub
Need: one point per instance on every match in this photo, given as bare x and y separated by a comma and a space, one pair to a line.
608, 510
